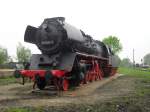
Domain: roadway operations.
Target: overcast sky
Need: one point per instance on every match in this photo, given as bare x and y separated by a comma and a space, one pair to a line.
129, 20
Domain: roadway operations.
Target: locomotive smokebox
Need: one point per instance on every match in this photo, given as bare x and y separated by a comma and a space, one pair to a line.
48, 36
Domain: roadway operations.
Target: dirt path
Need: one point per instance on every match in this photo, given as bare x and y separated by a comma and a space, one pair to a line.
19, 95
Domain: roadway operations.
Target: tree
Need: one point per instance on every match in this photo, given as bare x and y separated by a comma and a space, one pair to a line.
126, 62
114, 43
147, 59
23, 54
3, 55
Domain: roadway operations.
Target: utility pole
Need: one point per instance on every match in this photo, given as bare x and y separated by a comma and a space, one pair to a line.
133, 59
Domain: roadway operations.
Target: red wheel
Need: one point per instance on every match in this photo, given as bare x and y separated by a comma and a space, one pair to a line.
65, 84
91, 77
94, 77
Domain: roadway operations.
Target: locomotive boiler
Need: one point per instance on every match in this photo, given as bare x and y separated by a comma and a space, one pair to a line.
69, 57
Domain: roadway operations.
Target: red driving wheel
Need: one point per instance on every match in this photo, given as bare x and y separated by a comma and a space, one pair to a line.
65, 84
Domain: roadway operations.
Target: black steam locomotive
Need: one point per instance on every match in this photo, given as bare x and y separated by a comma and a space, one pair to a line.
69, 56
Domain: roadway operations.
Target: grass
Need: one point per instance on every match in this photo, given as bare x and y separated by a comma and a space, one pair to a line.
7, 80
18, 110
136, 72
143, 79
